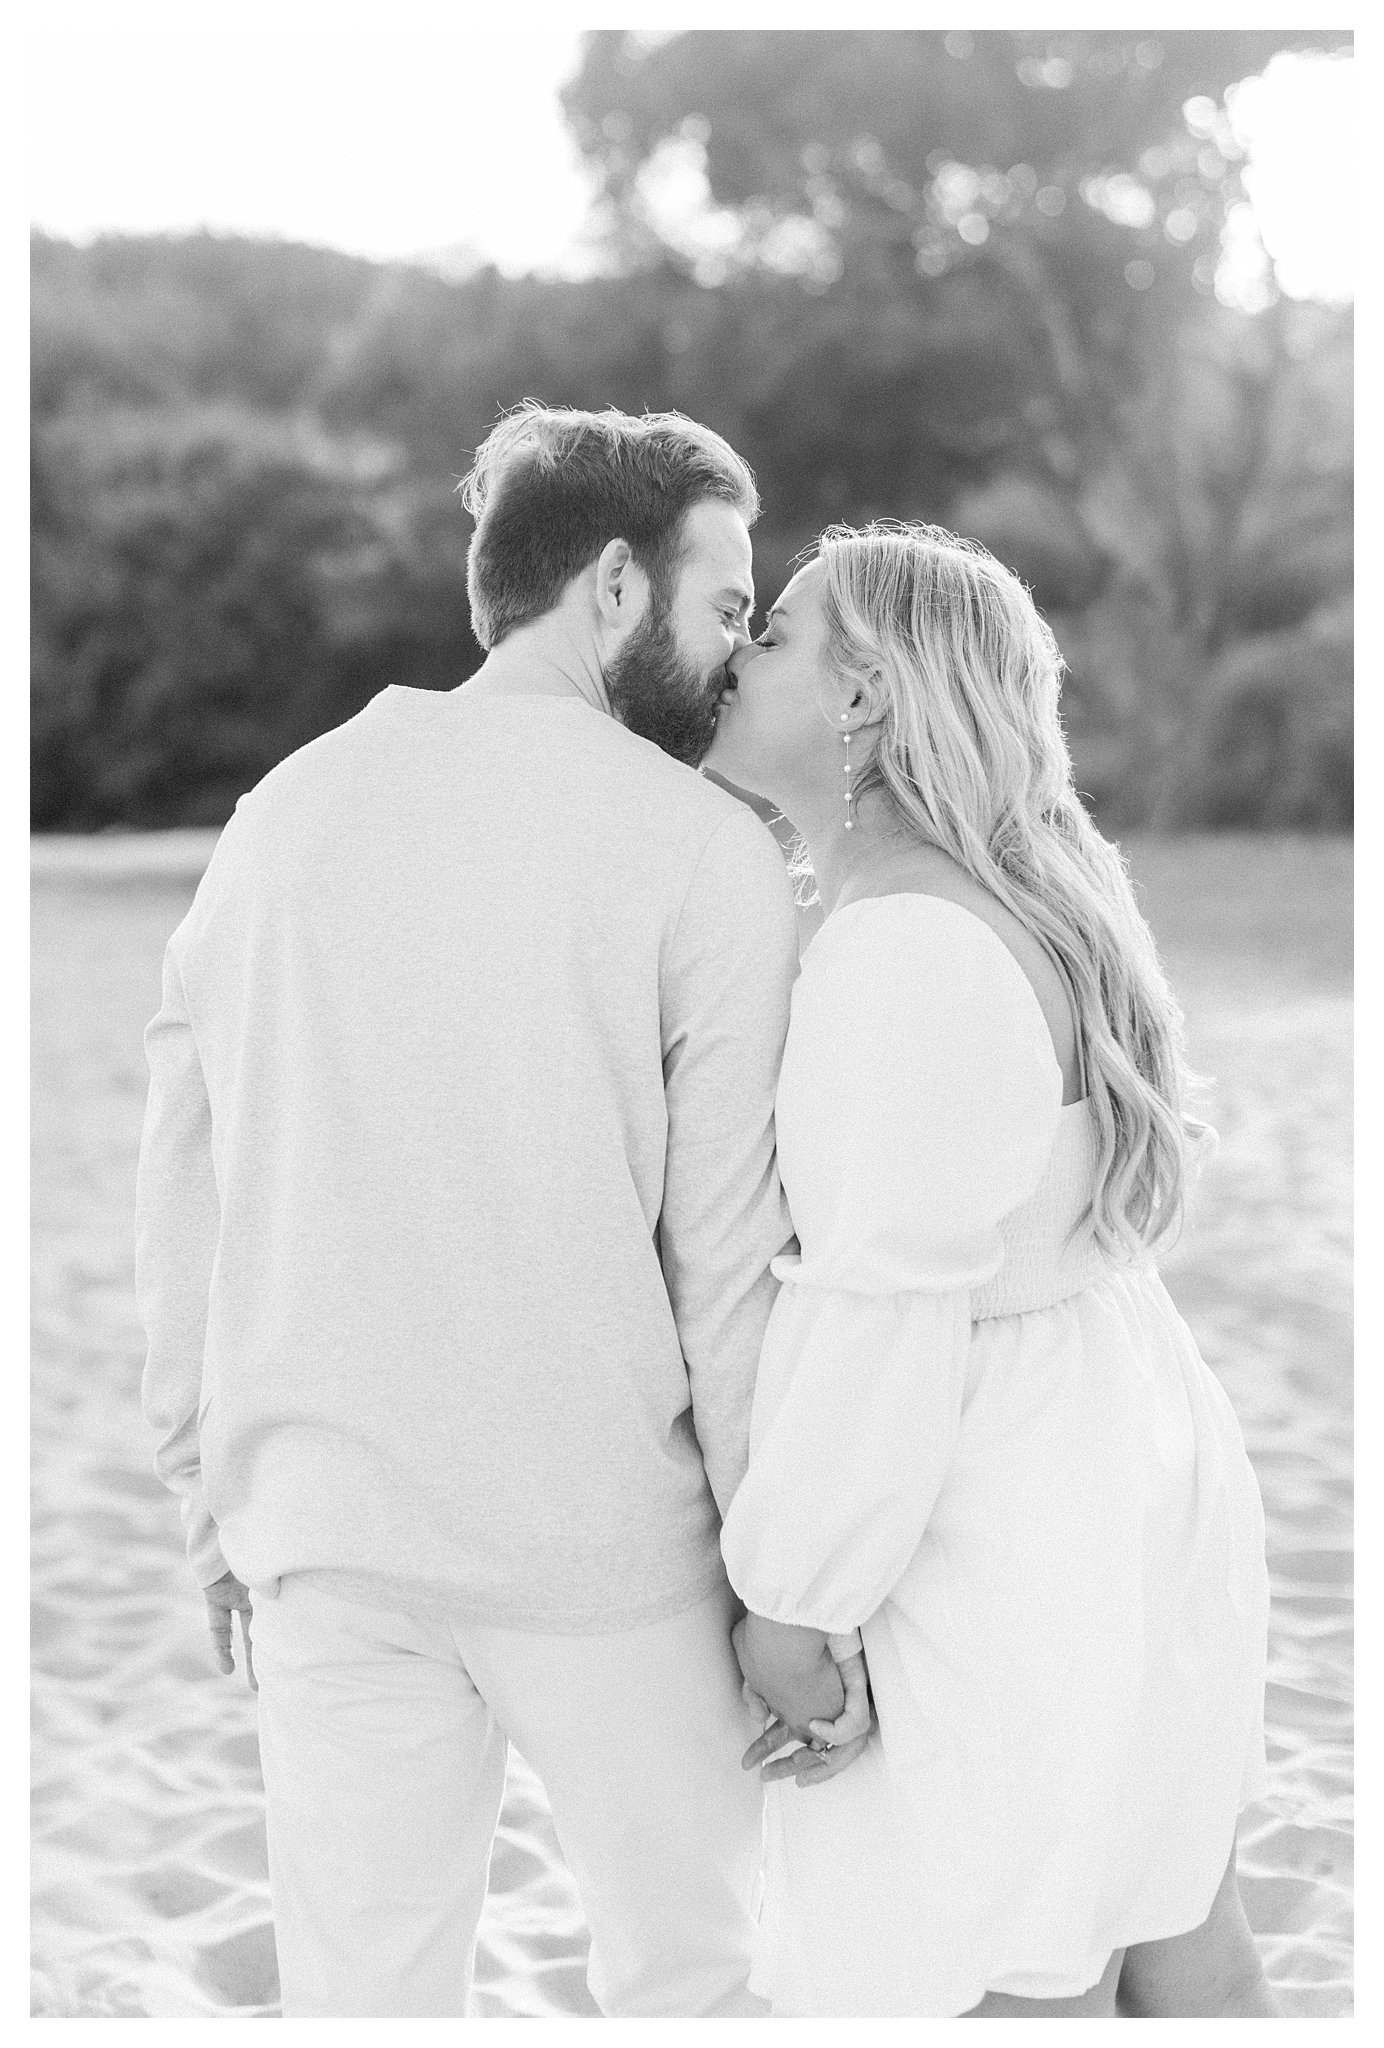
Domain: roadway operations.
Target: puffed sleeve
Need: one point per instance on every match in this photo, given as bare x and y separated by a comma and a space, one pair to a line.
917, 1108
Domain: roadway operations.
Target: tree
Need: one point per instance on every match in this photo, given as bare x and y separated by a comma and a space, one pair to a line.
1065, 189
154, 319
1002, 247
212, 589
1224, 508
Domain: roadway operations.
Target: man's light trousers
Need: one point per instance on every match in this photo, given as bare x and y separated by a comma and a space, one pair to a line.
383, 1739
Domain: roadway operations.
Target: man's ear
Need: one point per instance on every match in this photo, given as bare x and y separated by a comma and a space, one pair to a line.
621, 585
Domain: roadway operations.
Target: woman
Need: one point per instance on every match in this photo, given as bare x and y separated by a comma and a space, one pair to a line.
982, 1434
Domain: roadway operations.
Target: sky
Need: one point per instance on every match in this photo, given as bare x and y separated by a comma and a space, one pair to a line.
442, 137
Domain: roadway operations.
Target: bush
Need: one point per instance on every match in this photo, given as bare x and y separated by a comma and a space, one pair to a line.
1272, 742
213, 589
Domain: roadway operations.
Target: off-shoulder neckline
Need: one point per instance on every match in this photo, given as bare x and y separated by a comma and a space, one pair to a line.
946, 903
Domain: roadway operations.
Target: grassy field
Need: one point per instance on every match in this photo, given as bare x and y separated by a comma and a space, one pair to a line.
150, 1888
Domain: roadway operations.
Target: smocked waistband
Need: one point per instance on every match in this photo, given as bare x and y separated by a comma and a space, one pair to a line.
1023, 1285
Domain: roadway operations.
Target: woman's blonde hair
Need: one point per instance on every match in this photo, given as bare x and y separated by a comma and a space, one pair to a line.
973, 758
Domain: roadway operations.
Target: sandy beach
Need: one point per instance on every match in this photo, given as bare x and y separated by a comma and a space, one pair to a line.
150, 1886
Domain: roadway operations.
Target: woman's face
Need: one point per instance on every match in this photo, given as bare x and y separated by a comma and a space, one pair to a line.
774, 727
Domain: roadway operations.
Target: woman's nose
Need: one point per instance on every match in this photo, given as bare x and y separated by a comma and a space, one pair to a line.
742, 658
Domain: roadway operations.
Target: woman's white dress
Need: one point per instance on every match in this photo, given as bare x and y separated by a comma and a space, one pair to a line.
1002, 1457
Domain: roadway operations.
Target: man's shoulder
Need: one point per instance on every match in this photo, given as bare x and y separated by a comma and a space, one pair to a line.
668, 803
268, 815
275, 802
685, 789
316, 759
606, 794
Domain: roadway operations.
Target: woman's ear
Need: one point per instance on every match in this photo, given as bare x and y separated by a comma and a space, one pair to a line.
871, 699
851, 704
835, 701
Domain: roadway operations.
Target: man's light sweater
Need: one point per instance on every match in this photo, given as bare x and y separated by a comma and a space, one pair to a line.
457, 1190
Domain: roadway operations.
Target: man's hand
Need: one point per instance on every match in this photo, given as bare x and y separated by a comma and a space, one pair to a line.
805, 1765
225, 1598
790, 1669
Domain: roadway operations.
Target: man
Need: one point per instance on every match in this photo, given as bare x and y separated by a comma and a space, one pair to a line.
457, 1199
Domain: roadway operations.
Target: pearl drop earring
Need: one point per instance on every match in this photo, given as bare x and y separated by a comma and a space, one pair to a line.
846, 738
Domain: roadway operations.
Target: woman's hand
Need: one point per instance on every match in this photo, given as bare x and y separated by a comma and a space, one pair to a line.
856, 1717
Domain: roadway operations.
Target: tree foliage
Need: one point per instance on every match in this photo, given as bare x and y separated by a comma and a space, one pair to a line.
1046, 187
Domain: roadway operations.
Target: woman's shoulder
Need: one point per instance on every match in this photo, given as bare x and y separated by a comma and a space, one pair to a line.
911, 1003
920, 882
929, 926
912, 923
909, 936
921, 968
922, 949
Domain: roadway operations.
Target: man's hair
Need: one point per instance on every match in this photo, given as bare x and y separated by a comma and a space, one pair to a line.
551, 487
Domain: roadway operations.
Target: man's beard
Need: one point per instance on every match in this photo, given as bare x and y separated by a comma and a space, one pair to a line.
658, 693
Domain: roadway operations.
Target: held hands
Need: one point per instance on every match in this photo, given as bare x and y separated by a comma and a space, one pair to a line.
225, 1598
791, 1681
845, 1738
789, 1668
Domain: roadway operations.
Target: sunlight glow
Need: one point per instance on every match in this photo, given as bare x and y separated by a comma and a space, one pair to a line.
397, 144
1296, 120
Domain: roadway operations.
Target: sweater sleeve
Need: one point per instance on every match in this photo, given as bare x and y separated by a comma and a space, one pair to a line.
177, 1224
918, 1107
727, 977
